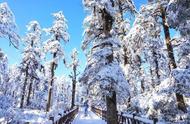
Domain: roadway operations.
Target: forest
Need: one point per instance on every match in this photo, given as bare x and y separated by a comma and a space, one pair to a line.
137, 64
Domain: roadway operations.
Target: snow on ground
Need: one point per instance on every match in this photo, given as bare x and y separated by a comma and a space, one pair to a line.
91, 118
32, 116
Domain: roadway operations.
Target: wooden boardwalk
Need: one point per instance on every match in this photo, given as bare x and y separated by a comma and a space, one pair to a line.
91, 118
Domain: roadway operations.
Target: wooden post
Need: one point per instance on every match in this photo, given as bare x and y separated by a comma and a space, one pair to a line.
122, 118
133, 121
155, 120
51, 118
111, 104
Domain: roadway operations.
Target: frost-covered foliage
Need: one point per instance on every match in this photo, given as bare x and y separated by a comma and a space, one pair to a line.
3, 71
62, 93
148, 63
74, 57
15, 80
6, 103
159, 103
145, 50
8, 25
111, 6
179, 18
103, 74
31, 61
32, 52
57, 32
115, 10
74, 65
34, 34
7, 100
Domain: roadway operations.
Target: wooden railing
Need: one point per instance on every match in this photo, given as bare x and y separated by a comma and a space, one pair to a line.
99, 112
125, 118
66, 118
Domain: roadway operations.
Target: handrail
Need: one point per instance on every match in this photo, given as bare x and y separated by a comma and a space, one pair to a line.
66, 118
125, 118
99, 112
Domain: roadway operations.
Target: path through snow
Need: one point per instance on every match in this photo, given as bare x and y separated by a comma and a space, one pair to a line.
91, 118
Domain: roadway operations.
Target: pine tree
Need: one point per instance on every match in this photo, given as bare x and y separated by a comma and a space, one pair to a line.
4, 72
159, 10
180, 22
58, 33
73, 76
8, 25
31, 59
103, 69
7, 30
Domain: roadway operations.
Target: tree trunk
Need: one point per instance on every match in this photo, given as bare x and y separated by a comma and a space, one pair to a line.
126, 59
73, 94
180, 102
107, 21
24, 88
111, 105
125, 56
172, 64
13, 94
73, 87
152, 78
139, 64
156, 68
53, 66
29, 93
142, 87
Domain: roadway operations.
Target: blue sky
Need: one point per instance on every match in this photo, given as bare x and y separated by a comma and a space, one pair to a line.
41, 10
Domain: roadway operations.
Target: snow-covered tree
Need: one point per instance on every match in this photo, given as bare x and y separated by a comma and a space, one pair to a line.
31, 59
8, 88
145, 51
15, 79
144, 40
7, 30
62, 93
103, 70
8, 25
4, 77
159, 10
58, 32
178, 18
123, 24
74, 66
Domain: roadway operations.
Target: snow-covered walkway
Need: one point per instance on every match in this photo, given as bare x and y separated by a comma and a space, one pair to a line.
91, 118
